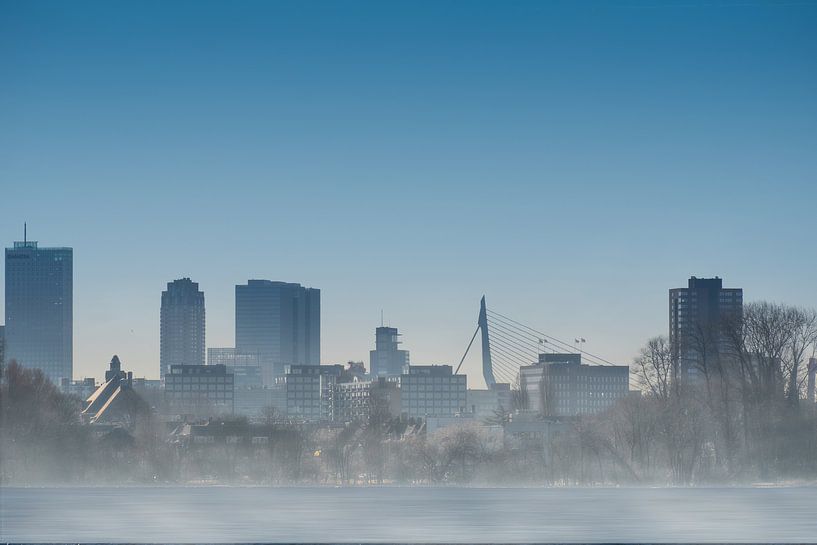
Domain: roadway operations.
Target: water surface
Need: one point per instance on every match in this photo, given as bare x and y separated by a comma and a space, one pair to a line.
219, 514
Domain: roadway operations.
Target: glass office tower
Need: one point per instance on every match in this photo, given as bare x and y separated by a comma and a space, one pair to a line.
39, 308
279, 321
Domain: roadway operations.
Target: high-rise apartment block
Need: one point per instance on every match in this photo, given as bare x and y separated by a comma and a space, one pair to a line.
39, 308
182, 325
280, 322
387, 360
697, 315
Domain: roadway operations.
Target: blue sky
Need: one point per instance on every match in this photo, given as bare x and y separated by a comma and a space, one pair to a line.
572, 161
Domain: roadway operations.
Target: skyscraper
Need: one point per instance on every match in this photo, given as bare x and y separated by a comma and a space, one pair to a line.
182, 325
39, 308
696, 316
280, 322
387, 360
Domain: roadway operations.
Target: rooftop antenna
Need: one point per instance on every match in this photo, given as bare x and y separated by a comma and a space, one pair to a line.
381, 317
25, 232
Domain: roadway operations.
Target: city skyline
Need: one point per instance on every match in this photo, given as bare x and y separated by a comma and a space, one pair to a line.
571, 164
293, 292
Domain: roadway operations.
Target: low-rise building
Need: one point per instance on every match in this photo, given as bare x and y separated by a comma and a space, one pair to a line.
257, 402
199, 390
359, 399
560, 385
114, 401
485, 404
432, 390
309, 391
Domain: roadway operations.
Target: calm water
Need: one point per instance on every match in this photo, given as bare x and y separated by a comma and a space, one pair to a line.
212, 514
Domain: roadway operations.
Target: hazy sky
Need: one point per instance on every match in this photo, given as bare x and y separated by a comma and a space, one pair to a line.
570, 161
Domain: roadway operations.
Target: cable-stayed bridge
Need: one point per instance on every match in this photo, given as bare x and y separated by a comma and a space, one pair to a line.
508, 344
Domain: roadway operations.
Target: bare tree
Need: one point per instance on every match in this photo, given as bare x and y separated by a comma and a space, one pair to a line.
654, 368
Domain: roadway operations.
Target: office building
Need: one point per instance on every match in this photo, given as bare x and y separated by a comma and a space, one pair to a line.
2, 345
812, 375
246, 368
387, 360
39, 308
432, 390
280, 322
561, 385
309, 390
199, 390
487, 404
358, 400
696, 316
182, 325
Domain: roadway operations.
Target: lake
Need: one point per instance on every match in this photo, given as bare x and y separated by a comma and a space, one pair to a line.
389, 514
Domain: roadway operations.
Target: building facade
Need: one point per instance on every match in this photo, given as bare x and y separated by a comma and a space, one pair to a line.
309, 390
39, 309
697, 314
199, 390
387, 360
358, 400
560, 385
432, 390
280, 322
245, 367
182, 325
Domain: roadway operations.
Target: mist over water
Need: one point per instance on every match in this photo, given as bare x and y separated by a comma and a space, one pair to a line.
417, 514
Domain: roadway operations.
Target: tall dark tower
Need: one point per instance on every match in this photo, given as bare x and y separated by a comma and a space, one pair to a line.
280, 322
40, 308
182, 325
696, 316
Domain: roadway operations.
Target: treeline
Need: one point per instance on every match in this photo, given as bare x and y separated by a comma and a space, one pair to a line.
43, 439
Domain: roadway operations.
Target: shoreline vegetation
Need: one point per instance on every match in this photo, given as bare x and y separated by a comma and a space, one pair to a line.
744, 422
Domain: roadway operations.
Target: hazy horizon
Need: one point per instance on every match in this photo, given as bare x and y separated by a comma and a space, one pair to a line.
572, 163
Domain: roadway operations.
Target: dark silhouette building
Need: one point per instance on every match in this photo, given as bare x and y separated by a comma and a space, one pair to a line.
387, 360
697, 315
39, 308
280, 322
182, 325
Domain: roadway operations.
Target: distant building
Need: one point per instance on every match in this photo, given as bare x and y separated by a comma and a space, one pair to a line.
432, 390
182, 325
2, 345
530, 431
309, 390
258, 402
812, 374
115, 401
696, 316
199, 390
280, 322
80, 388
39, 309
358, 400
245, 367
484, 404
387, 360
560, 385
